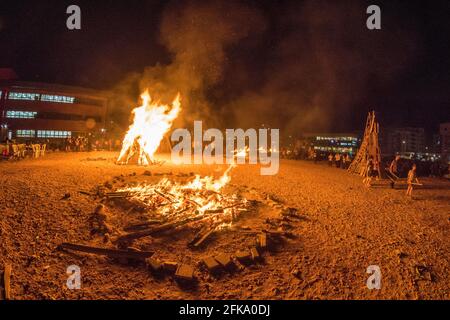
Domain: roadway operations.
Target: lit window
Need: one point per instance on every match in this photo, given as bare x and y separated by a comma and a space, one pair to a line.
25, 133
53, 134
23, 96
57, 99
20, 114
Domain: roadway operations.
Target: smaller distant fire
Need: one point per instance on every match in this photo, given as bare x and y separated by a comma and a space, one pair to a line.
151, 122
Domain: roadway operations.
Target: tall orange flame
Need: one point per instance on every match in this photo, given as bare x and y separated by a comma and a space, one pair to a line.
151, 122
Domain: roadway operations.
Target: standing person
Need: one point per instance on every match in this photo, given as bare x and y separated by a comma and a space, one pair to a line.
348, 160
343, 161
369, 173
330, 159
412, 178
393, 170
338, 160
315, 156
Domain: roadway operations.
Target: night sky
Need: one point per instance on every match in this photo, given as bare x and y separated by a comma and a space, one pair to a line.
298, 65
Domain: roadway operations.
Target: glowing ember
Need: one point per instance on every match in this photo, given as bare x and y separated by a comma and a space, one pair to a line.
151, 122
199, 198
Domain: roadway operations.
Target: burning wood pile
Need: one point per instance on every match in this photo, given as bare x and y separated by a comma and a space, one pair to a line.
184, 214
151, 121
172, 205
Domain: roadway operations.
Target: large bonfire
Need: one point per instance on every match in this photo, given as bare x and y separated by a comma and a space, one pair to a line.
151, 122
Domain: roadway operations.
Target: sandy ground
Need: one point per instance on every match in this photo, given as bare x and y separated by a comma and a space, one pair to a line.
345, 229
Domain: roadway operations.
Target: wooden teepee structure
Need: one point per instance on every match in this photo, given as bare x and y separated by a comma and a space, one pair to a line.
369, 148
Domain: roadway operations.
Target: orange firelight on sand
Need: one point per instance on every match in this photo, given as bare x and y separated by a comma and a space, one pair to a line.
151, 122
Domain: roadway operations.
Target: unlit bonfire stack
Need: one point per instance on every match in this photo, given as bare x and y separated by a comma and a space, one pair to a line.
369, 148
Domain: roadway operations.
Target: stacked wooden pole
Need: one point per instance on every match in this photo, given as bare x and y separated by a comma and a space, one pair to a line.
369, 148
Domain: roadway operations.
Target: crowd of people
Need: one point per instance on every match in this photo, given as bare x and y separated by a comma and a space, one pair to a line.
338, 160
89, 143
10, 148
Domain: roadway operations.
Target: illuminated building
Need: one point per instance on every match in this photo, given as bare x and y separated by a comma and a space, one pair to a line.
334, 142
49, 111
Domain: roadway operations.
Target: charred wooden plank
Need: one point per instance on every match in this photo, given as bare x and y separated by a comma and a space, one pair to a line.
219, 210
203, 237
154, 264
155, 230
112, 253
261, 241
170, 266
117, 194
7, 281
185, 273
140, 226
243, 256
255, 254
225, 260
211, 264
2, 290
85, 193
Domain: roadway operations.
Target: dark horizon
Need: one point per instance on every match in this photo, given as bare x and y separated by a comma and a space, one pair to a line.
315, 59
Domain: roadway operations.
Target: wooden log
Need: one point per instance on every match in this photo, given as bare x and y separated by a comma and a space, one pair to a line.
7, 281
118, 194
154, 264
244, 257
170, 266
225, 260
85, 192
155, 230
162, 195
255, 254
2, 290
220, 210
140, 226
184, 273
197, 243
112, 253
211, 264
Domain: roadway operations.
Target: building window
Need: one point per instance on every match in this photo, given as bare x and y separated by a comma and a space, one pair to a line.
53, 134
57, 99
21, 114
25, 133
23, 96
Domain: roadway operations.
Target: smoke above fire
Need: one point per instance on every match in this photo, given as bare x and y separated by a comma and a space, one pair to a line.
302, 68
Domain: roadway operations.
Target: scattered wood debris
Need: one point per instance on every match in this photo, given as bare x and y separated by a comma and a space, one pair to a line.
154, 264
112, 253
5, 282
255, 254
244, 257
184, 272
211, 264
170, 266
224, 260
201, 237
